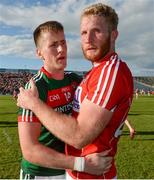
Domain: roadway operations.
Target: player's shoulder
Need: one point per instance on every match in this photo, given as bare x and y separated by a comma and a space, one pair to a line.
118, 66
73, 76
124, 68
37, 78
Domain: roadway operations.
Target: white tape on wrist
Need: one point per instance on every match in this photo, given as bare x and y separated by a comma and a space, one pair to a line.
79, 164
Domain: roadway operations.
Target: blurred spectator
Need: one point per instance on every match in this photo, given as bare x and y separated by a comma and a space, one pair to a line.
131, 129
136, 93
10, 82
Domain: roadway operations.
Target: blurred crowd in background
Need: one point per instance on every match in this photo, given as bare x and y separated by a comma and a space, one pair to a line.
10, 82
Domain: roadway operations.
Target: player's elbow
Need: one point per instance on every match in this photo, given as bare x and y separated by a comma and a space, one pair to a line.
80, 142
29, 154
78, 146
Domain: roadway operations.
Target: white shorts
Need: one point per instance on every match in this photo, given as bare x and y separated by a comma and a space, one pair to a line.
24, 176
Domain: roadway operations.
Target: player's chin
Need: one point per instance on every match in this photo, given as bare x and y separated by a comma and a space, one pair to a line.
91, 58
62, 65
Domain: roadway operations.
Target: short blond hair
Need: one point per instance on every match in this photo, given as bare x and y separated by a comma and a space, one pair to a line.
48, 26
105, 11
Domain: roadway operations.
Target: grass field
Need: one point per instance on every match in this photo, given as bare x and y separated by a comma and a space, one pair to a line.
135, 158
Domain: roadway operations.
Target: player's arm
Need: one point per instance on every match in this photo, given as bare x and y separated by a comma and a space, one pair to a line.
131, 129
78, 132
37, 153
41, 155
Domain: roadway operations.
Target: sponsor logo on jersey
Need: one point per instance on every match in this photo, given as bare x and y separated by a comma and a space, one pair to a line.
65, 89
60, 97
65, 108
54, 97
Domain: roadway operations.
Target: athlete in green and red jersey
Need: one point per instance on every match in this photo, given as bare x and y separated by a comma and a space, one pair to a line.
57, 94
43, 153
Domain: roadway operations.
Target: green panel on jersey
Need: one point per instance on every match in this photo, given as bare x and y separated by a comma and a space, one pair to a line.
45, 87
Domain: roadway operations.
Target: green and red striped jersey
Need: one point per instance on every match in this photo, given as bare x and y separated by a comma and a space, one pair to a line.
57, 94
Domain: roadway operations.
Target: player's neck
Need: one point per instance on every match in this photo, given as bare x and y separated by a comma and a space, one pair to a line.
58, 75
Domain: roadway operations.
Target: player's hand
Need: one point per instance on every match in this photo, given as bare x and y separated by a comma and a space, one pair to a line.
27, 97
98, 163
132, 133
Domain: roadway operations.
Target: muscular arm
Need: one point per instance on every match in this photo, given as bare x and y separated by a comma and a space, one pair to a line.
76, 132
37, 153
41, 155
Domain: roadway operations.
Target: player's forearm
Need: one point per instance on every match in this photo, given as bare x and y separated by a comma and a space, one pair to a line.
43, 156
63, 126
46, 157
128, 124
75, 132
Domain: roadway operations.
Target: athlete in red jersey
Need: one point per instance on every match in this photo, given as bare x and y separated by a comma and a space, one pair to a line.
102, 100
103, 89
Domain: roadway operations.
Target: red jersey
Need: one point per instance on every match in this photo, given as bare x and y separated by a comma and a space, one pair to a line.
110, 85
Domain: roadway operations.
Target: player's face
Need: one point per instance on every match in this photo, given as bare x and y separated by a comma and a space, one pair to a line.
95, 37
53, 51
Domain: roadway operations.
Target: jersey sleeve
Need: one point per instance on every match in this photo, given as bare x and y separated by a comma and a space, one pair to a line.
26, 115
105, 84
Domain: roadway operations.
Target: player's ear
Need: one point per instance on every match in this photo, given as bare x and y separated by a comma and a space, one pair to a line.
114, 35
39, 53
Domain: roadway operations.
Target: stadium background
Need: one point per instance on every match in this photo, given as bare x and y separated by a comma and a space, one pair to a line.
12, 79
134, 157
